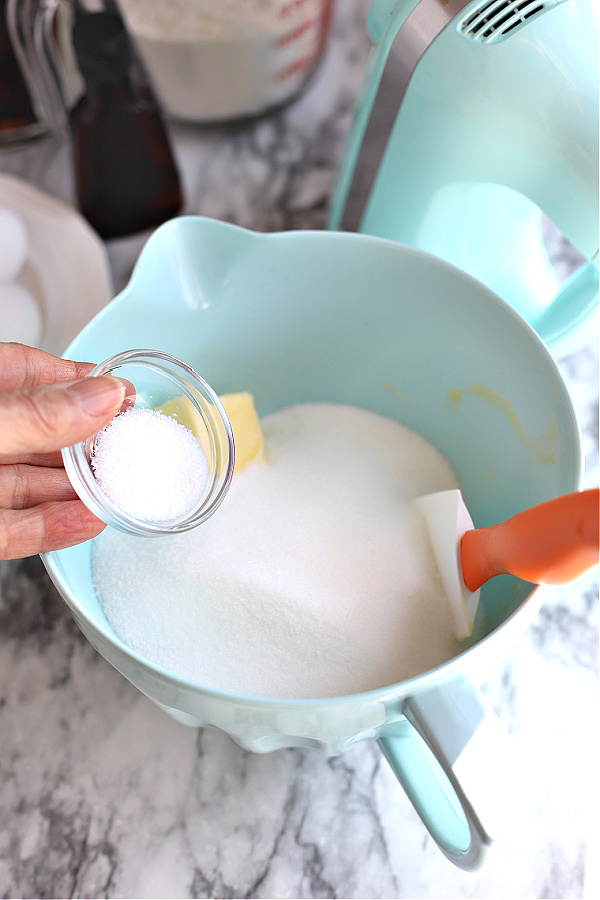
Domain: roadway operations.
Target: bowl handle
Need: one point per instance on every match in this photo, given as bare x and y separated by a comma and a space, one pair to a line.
459, 768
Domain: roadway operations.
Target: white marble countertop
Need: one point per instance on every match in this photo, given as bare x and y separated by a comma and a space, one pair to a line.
102, 795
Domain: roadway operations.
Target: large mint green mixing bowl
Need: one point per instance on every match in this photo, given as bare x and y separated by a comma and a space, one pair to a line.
309, 316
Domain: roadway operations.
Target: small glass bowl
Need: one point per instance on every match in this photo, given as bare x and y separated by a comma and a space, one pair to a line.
157, 379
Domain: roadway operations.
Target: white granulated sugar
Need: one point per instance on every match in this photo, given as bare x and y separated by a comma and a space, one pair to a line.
315, 577
150, 466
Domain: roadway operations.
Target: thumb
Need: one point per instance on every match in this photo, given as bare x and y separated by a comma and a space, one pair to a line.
45, 418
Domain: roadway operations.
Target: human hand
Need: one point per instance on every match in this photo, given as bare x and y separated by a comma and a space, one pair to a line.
46, 404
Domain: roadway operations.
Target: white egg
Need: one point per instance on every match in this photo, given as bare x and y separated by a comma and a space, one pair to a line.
20, 315
14, 243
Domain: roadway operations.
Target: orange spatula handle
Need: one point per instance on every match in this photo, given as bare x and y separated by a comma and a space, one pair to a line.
551, 543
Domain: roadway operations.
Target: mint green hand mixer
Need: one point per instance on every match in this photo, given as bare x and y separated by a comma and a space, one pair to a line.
476, 120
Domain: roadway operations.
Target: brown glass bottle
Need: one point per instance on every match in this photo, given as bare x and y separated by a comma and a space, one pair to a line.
17, 116
126, 179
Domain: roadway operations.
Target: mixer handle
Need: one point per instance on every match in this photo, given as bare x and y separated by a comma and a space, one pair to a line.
574, 304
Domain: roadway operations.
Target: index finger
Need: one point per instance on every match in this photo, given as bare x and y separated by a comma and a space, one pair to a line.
22, 366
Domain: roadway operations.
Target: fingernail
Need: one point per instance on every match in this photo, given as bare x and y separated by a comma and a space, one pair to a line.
98, 395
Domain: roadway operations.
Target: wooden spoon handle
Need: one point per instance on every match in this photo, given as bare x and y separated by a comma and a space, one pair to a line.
552, 543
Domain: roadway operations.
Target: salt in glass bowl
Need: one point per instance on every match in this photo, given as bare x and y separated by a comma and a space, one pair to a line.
158, 378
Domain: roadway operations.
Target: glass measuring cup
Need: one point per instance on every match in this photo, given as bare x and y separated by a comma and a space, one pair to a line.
158, 379
226, 61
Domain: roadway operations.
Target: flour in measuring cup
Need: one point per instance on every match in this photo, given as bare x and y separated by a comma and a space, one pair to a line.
315, 577
212, 61
186, 20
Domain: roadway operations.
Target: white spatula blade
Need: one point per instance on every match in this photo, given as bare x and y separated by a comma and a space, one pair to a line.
447, 518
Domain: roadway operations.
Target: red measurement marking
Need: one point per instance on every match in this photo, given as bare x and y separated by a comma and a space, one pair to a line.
291, 7
288, 37
294, 68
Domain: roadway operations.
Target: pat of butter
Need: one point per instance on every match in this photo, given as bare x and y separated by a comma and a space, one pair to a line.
247, 433
245, 424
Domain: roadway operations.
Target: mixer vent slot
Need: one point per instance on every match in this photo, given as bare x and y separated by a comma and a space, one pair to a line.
495, 20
